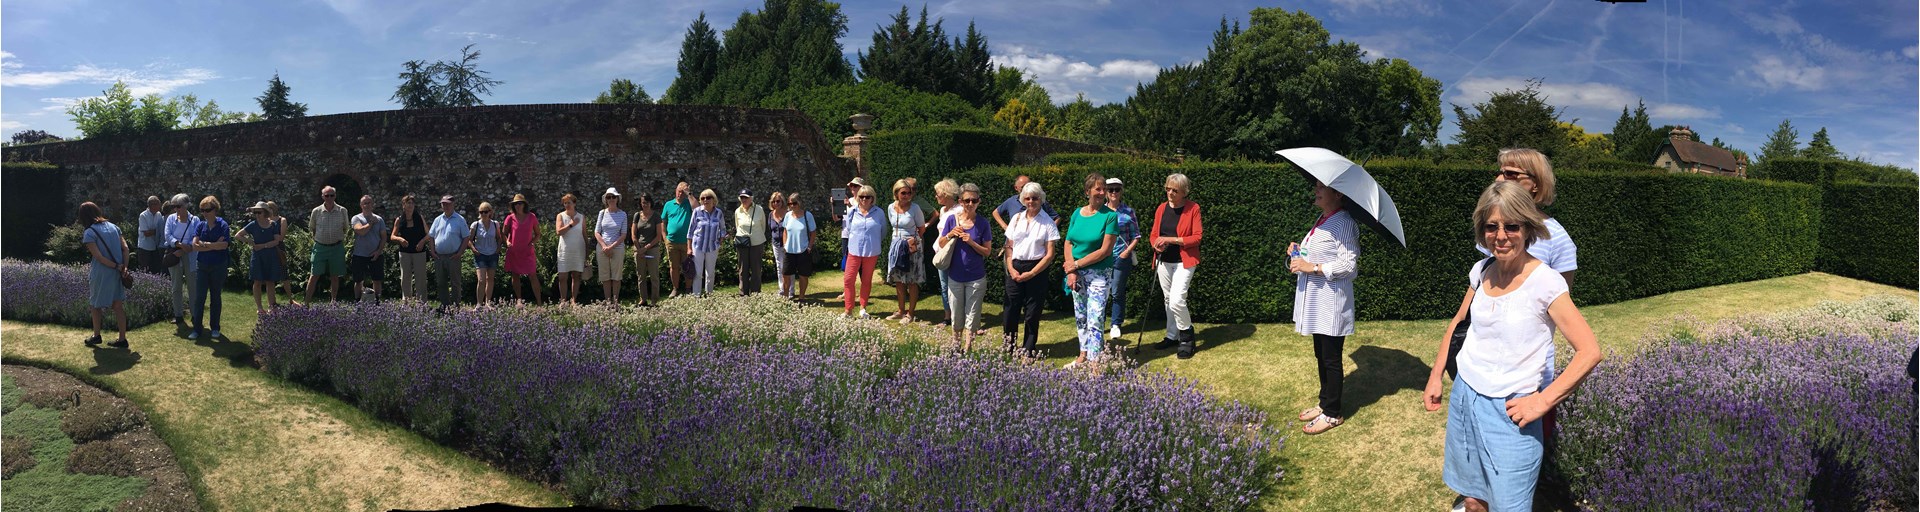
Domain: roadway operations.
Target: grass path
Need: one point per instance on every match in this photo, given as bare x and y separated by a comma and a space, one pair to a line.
252, 442
249, 441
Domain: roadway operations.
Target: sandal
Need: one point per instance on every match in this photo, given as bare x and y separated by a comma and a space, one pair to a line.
1321, 424
1310, 414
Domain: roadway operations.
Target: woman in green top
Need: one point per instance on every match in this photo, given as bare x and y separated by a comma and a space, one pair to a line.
1090, 236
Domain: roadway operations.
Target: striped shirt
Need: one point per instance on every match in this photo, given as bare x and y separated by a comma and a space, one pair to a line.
1323, 301
705, 230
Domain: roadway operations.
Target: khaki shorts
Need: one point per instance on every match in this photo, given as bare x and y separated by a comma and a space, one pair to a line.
611, 266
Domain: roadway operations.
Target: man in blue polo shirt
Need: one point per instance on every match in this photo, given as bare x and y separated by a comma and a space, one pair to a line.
449, 232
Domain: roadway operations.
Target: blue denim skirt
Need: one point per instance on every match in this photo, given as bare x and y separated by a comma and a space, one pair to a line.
1487, 456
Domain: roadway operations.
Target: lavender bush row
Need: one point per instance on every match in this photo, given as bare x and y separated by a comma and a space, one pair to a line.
57, 293
754, 404
1801, 410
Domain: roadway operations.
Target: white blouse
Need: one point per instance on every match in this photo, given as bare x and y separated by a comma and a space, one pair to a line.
1509, 342
1030, 236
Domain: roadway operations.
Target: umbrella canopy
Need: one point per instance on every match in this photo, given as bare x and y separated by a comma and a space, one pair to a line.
1350, 180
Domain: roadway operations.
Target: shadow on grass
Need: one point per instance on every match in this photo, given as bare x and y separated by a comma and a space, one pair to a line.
237, 354
109, 361
1380, 372
1139, 345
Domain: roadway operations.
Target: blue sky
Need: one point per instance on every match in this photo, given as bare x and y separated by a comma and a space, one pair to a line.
1731, 69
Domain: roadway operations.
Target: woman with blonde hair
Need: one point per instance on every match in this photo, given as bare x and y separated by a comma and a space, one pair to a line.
866, 224
905, 267
1494, 443
705, 230
1089, 264
571, 252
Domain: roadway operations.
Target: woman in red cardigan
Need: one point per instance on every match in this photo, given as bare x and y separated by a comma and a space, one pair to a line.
1176, 241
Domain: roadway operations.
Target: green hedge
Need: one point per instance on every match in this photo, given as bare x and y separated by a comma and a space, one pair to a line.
1086, 158
1871, 232
1797, 170
1619, 166
28, 212
934, 153
1639, 234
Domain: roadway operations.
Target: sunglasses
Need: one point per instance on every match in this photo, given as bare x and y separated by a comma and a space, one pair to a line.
1512, 175
328, 196
206, 210
1490, 228
905, 192
868, 197
486, 211
970, 201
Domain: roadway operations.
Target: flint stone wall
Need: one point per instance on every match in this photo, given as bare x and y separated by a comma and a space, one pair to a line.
476, 154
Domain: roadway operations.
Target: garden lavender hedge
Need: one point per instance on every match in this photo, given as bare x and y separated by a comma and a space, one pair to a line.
753, 404
57, 293
1810, 409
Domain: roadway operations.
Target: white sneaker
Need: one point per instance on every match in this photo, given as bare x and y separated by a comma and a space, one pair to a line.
864, 315
193, 335
1114, 333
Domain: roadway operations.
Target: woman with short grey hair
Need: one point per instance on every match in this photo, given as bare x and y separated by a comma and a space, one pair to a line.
180, 228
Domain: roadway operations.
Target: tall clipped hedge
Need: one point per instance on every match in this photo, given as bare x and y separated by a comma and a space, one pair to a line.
1639, 234
934, 152
27, 211
1871, 232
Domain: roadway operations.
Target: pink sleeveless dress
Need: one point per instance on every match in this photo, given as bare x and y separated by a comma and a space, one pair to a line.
520, 233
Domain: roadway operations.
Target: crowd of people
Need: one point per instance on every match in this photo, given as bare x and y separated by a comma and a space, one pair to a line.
1501, 357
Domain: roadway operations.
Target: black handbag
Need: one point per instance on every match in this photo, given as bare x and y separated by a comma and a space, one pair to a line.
1459, 337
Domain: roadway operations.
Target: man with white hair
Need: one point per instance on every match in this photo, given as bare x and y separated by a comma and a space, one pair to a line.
328, 222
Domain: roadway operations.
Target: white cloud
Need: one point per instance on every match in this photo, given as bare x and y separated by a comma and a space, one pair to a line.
1064, 77
1911, 52
1777, 72
1581, 96
1734, 129
9, 61
645, 56
477, 36
151, 79
9, 125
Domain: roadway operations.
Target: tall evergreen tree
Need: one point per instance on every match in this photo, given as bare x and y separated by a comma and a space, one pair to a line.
274, 104
1821, 147
1783, 143
787, 44
463, 82
972, 68
1633, 137
1510, 118
699, 62
417, 86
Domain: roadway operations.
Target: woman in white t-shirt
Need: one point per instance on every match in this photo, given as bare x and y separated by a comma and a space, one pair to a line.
1494, 444
1031, 234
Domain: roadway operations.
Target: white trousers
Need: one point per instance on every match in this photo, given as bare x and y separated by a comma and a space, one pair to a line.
1174, 279
703, 271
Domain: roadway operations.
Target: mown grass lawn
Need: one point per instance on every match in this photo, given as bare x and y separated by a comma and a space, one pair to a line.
252, 442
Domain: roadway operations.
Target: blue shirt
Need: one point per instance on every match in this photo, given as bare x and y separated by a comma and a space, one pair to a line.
486, 236
1129, 230
449, 232
262, 234
864, 232
795, 230
705, 230
105, 236
610, 228
213, 232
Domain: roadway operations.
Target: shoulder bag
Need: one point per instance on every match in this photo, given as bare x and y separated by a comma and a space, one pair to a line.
126, 278
1459, 337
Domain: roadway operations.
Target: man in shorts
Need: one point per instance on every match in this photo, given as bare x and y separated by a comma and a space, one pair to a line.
369, 244
328, 223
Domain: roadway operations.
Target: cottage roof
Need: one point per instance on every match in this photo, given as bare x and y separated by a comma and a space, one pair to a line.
1694, 152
